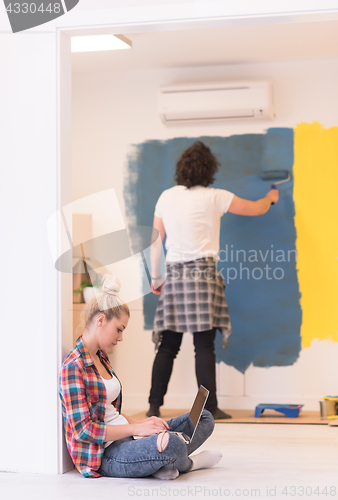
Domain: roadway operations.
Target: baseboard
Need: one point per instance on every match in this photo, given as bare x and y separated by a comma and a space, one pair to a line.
180, 401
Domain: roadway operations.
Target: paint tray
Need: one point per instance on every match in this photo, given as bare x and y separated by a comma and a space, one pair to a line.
290, 411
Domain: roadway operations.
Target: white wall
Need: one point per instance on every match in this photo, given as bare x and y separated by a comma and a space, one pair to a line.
29, 301
114, 110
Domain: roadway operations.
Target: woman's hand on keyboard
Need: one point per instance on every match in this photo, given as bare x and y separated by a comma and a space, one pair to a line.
150, 426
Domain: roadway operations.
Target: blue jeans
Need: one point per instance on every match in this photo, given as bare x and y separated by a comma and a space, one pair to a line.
140, 457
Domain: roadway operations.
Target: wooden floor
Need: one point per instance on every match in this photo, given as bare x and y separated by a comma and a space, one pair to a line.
248, 417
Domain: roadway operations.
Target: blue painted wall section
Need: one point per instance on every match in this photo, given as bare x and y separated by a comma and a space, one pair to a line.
257, 256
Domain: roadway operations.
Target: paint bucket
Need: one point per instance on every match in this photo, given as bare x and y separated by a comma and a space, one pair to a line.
328, 408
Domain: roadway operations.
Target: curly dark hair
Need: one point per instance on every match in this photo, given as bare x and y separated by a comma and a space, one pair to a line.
196, 166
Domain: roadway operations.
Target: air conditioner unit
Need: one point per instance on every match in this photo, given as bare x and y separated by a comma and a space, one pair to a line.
216, 101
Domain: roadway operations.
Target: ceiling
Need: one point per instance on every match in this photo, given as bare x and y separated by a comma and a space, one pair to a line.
217, 46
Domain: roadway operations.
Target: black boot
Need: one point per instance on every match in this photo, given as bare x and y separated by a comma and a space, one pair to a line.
154, 411
220, 414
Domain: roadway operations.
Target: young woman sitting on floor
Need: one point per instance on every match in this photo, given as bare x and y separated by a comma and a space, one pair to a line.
99, 437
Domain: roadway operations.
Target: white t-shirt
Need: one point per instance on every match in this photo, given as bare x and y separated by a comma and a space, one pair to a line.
112, 416
192, 220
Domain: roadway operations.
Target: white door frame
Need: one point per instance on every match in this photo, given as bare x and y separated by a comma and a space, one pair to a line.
64, 197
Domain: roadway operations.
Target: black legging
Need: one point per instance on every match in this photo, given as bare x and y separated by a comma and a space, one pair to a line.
204, 365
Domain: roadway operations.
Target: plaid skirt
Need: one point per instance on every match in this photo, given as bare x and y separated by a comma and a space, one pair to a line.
192, 300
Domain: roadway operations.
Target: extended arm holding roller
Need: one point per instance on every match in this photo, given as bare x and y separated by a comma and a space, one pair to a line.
240, 206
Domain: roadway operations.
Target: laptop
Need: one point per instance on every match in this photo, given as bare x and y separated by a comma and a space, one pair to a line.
194, 416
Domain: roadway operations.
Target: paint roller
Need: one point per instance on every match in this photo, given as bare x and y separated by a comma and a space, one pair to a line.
275, 175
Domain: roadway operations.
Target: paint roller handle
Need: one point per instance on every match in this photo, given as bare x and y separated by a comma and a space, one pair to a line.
273, 187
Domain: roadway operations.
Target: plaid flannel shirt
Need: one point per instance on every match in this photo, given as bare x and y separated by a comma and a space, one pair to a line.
83, 396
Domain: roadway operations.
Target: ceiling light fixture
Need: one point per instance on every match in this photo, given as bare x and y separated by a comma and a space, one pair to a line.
99, 42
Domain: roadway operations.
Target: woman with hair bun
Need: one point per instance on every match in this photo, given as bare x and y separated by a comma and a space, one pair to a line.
100, 439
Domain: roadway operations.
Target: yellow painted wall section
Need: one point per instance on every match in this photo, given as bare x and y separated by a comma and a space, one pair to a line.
316, 221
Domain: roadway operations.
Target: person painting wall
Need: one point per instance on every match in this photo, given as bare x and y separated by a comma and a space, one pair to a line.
192, 296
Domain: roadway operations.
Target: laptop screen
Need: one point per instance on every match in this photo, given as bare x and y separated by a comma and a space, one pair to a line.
195, 412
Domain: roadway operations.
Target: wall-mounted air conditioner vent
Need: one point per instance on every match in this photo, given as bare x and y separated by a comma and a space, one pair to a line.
217, 101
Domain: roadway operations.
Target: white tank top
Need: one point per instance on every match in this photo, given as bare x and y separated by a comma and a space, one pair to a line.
112, 416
